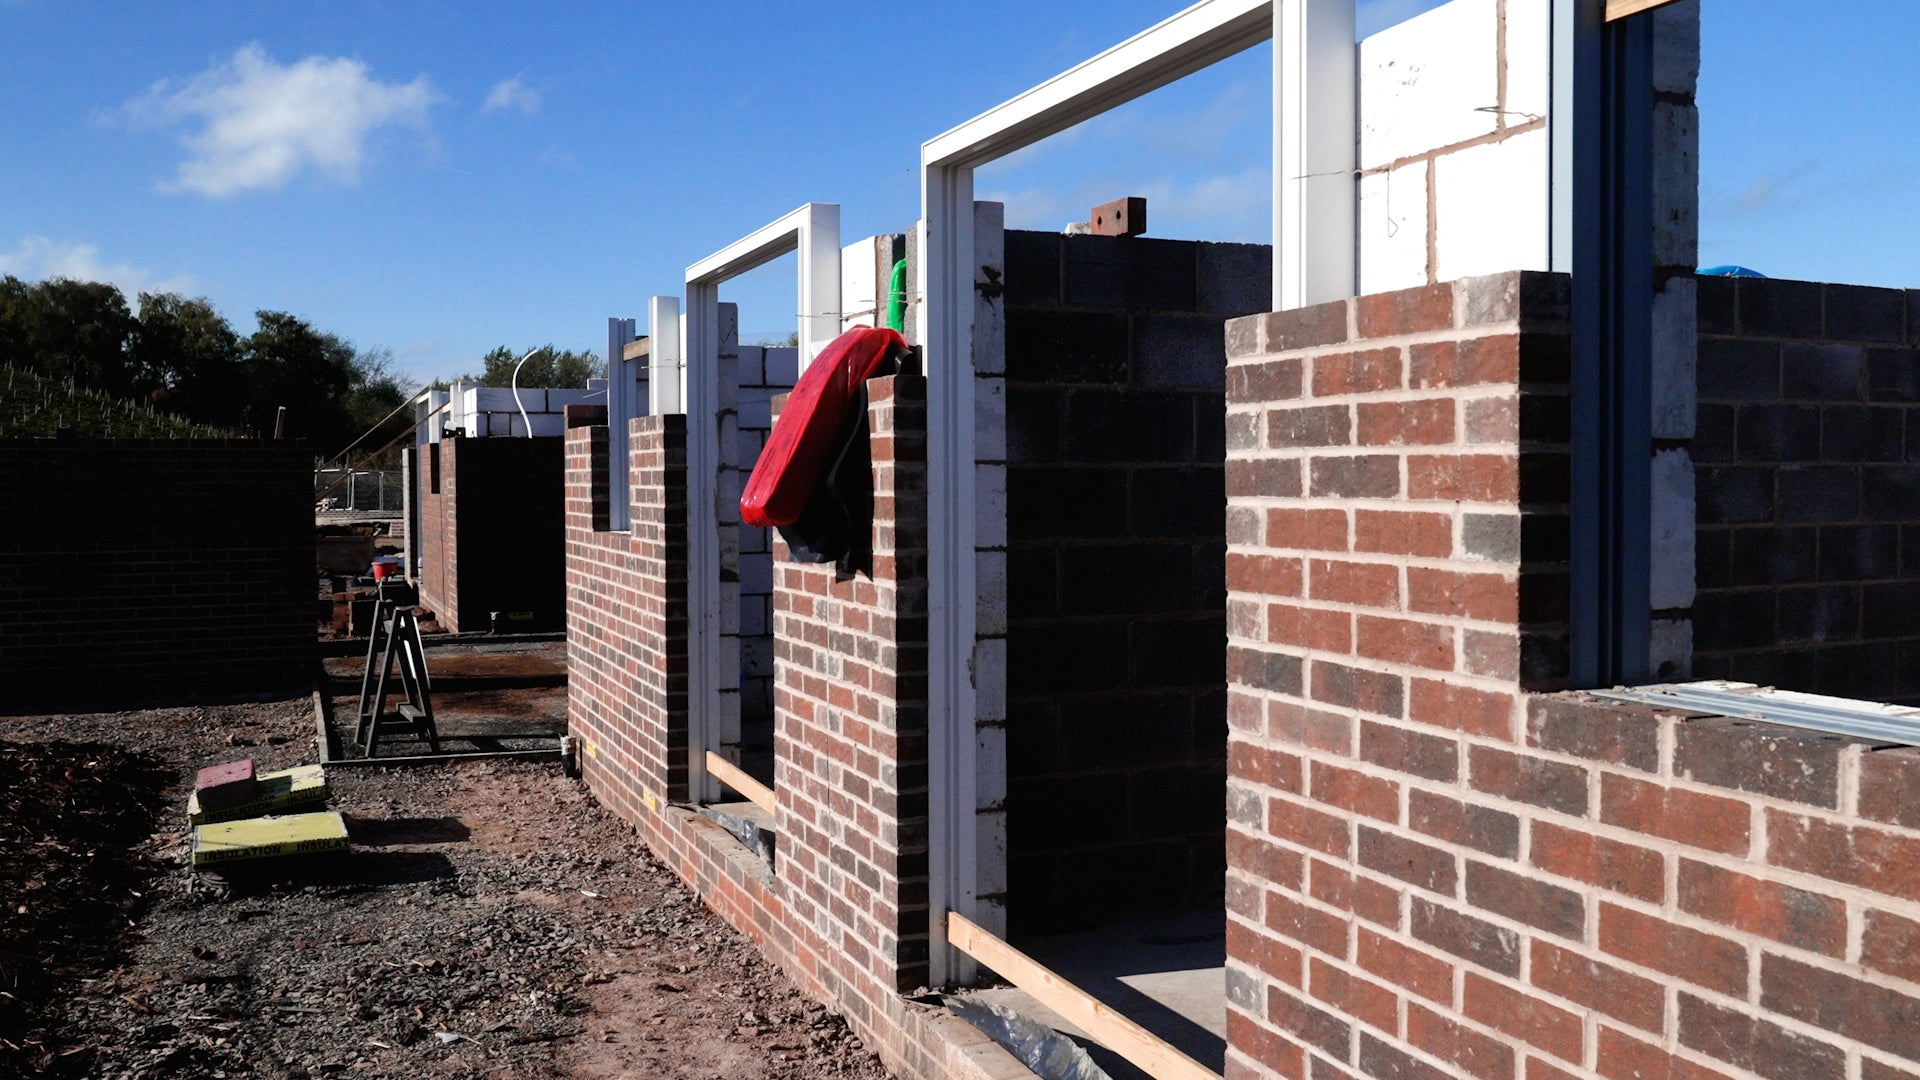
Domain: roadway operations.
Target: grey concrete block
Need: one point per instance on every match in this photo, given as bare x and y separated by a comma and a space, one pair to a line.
1179, 352
1862, 313
1236, 279
1821, 372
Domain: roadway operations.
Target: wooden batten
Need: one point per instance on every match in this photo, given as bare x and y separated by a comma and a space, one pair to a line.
1620, 9
1152, 1054
731, 775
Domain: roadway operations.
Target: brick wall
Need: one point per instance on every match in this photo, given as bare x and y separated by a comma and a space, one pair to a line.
144, 570
844, 911
1396, 485
1808, 498
1115, 538
851, 744
627, 614
509, 558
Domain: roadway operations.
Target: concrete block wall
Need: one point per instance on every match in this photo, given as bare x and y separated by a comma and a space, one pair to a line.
510, 556
1453, 144
148, 570
1396, 522
1808, 487
1114, 540
750, 377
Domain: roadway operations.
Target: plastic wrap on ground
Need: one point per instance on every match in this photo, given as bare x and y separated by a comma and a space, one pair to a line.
1048, 1053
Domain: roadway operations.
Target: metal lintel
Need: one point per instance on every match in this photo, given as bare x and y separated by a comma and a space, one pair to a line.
1832, 716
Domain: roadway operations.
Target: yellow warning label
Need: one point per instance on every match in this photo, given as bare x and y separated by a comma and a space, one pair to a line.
647, 797
592, 750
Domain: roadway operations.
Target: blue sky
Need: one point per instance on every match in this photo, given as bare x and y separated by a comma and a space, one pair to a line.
440, 179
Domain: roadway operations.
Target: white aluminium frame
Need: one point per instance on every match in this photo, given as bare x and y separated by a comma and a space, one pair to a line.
814, 231
1314, 150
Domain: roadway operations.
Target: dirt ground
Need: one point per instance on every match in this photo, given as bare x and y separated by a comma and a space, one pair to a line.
492, 921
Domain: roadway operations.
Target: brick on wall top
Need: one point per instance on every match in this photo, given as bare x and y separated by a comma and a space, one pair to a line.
1527, 298
584, 415
1768, 761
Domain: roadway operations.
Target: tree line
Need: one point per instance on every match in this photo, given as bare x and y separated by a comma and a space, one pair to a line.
180, 356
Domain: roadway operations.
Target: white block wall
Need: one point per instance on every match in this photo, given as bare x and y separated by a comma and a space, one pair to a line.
1453, 145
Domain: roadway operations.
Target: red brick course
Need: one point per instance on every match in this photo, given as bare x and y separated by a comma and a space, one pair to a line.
1450, 871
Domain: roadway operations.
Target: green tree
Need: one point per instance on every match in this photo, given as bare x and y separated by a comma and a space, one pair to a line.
547, 368
65, 329
307, 371
187, 359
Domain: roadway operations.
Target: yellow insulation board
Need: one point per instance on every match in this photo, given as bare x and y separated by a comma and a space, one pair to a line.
267, 837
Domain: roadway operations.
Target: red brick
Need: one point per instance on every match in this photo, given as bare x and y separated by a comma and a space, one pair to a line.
1540, 904
1406, 423
1880, 1016
1367, 1002
1306, 327
1377, 692
1472, 362
1310, 628
1595, 730
1394, 747
1487, 597
1311, 728
1272, 478
1313, 829
1344, 891
1321, 425
1408, 311
1413, 862
1885, 862
1474, 1054
1623, 1057
1400, 532
1524, 1017
1359, 793
1484, 478
1260, 765
1618, 867
1487, 713
1364, 584
1309, 1023
1365, 372
1653, 941
1686, 817
1274, 380
1307, 530
1738, 1037
1598, 985
1481, 828
1270, 575
1542, 1069
1359, 476
1530, 779
1891, 943
1888, 780
1270, 955
1420, 972
1270, 1050
1404, 641
1805, 920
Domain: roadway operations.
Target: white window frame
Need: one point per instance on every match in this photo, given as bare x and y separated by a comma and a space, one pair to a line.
814, 231
1314, 150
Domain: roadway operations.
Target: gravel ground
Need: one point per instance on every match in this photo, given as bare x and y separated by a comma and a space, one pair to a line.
492, 921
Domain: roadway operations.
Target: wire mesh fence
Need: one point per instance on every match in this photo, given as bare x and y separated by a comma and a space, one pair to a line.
340, 491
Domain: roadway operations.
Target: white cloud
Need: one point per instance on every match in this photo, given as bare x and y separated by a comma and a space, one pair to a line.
260, 123
38, 258
512, 94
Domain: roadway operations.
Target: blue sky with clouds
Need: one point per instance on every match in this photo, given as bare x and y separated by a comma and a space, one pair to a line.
440, 178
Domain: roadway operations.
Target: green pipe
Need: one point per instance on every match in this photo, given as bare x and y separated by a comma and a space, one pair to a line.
897, 298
